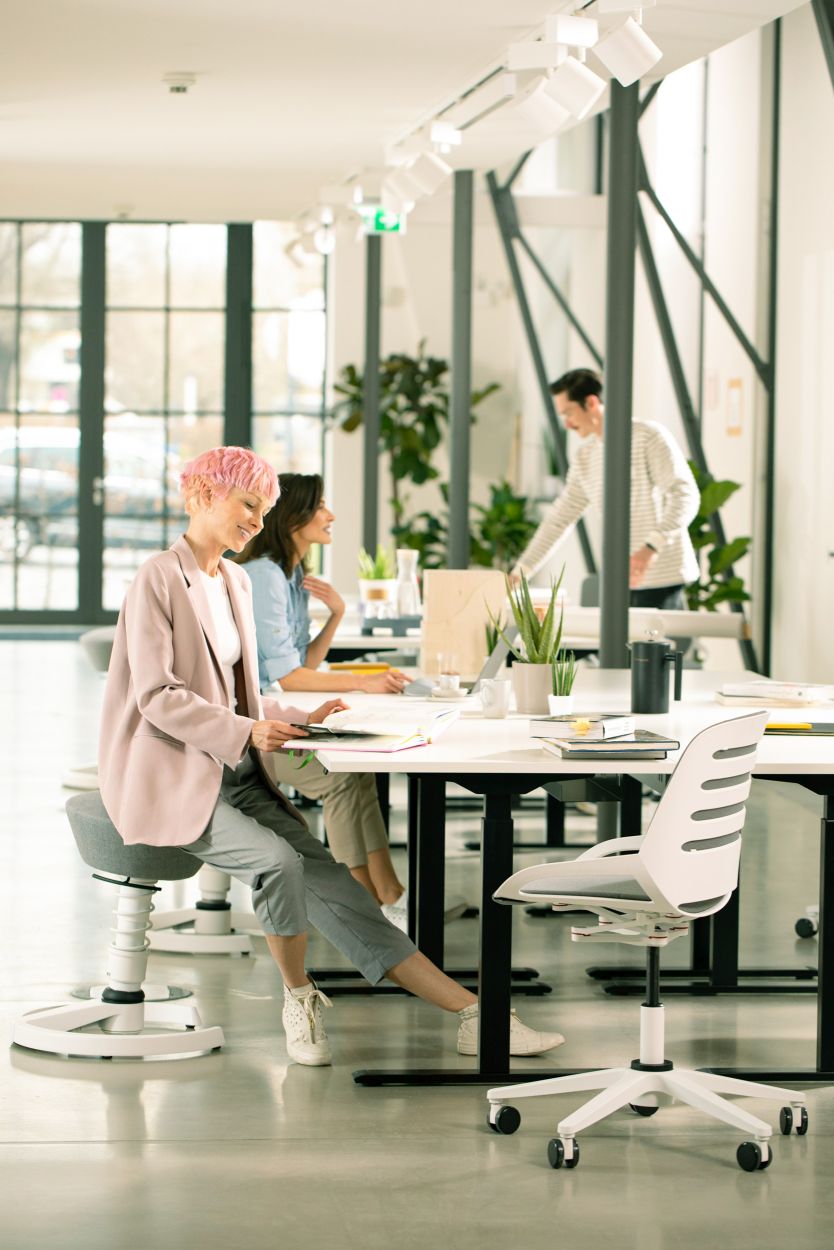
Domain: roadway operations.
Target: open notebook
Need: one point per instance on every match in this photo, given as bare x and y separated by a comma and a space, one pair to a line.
376, 729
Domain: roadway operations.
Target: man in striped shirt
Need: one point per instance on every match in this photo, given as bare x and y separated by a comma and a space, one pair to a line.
664, 497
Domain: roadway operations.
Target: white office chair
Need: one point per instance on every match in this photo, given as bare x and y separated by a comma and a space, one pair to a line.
645, 890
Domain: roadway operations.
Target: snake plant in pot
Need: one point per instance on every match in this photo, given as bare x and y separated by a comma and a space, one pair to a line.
538, 645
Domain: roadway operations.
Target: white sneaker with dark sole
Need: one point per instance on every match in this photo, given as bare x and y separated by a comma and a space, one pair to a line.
523, 1039
304, 1026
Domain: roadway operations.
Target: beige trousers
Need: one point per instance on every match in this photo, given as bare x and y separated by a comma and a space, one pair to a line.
352, 815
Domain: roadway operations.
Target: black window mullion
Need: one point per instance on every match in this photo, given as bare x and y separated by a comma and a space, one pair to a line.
237, 428
91, 422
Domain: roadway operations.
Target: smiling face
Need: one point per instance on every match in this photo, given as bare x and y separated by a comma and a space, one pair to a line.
583, 417
236, 518
318, 529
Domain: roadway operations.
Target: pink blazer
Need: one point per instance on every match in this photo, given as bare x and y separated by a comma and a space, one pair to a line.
167, 727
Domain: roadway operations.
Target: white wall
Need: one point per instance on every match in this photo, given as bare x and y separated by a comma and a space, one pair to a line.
804, 518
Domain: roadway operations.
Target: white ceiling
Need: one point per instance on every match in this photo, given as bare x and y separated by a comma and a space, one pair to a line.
289, 95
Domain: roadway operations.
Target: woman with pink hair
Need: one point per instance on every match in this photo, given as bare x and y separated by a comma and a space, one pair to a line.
183, 727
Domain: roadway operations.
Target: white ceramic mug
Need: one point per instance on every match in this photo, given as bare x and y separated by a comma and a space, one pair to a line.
495, 696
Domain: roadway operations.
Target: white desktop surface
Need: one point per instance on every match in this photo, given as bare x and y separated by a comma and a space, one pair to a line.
474, 744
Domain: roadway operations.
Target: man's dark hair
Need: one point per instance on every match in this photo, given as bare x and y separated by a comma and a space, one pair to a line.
578, 384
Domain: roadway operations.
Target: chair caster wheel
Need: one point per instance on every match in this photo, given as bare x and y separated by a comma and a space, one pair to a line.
805, 927
556, 1155
786, 1122
645, 1111
752, 1157
504, 1120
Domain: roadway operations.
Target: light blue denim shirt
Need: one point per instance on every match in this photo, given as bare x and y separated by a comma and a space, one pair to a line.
282, 619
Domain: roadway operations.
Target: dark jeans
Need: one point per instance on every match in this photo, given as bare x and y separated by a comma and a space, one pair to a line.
669, 597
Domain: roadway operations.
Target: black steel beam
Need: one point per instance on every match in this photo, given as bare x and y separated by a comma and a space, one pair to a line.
460, 407
561, 301
770, 417
684, 399
507, 220
762, 367
824, 13
619, 372
91, 501
371, 393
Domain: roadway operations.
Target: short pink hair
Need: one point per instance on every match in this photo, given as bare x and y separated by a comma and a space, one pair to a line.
224, 467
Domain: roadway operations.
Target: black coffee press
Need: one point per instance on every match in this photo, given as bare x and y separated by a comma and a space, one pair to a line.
650, 674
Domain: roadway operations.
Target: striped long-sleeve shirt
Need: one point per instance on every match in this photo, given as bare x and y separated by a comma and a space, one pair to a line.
664, 499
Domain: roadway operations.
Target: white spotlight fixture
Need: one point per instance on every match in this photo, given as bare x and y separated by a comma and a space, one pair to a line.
574, 32
444, 137
627, 52
575, 87
538, 110
400, 185
624, 6
428, 172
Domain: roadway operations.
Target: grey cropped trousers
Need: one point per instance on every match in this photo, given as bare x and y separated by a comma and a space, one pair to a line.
295, 881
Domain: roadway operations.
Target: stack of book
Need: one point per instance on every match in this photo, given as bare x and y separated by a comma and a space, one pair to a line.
764, 692
641, 744
590, 726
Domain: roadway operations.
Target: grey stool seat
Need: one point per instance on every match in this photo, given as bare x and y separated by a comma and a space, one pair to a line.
101, 847
121, 1020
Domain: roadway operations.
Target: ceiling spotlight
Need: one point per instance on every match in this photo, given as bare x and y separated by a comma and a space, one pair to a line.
444, 136
324, 239
539, 110
400, 184
624, 6
481, 101
428, 172
627, 52
575, 87
576, 32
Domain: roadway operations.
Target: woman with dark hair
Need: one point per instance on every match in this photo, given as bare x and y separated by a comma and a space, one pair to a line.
281, 588
276, 561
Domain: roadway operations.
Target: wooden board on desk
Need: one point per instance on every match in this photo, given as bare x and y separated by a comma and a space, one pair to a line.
455, 616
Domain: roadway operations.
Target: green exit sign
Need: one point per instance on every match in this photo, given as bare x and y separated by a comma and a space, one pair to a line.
380, 221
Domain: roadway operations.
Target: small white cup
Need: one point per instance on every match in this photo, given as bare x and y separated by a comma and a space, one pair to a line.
495, 697
448, 683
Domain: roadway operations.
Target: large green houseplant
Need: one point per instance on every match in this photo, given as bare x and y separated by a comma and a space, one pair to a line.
717, 584
413, 414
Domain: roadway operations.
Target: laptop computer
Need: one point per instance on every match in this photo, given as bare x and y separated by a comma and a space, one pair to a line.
422, 687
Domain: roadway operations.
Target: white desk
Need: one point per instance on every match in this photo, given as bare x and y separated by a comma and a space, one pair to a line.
497, 759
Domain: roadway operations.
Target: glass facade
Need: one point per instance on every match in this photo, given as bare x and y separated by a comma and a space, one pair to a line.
160, 399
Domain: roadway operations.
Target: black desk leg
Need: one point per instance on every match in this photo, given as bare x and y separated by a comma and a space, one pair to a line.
383, 793
413, 842
496, 936
631, 807
554, 821
825, 1001
431, 867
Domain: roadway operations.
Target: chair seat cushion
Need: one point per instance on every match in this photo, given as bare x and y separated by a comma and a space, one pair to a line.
101, 847
588, 887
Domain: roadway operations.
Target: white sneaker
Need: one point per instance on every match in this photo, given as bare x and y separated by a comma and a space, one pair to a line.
304, 1026
523, 1039
397, 912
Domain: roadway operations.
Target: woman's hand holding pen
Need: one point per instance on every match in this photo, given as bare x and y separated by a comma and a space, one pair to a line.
270, 735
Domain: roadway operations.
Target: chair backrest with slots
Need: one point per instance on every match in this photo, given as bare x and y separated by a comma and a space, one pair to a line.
691, 848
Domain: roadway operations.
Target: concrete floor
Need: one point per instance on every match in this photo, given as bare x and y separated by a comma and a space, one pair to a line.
243, 1149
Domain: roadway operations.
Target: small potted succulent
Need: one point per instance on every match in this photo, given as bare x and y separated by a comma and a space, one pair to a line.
563, 674
538, 646
377, 583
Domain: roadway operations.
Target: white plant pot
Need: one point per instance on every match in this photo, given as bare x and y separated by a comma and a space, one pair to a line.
560, 704
532, 684
378, 596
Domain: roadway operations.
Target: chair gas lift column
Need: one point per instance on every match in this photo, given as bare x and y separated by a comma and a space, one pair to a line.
645, 890
119, 1023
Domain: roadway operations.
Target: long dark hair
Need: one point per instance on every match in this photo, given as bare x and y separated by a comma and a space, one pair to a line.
301, 495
